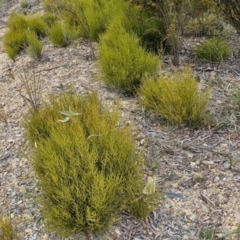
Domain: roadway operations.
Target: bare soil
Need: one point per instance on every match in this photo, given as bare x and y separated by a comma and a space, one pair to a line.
198, 169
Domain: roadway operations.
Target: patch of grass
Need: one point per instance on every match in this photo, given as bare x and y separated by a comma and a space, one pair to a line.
207, 233
7, 230
24, 3
24, 31
36, 24
35, 46
62, 34
176, 98
215, 49
92, 168
14, 41
123, 62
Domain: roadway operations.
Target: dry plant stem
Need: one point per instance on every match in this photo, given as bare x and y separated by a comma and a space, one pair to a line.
3, 114
31, 83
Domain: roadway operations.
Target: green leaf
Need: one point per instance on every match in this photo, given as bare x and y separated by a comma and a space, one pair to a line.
69, 113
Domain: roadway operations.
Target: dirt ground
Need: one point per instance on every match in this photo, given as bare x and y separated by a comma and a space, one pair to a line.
198, 170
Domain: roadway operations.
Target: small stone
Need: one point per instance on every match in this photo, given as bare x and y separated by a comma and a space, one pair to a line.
22, 189
226, 165
208, 162
44, 237
29, 231
117, 231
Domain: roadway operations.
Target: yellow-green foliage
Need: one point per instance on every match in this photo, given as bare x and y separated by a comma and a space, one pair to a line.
34, 45
175, 97
7, 230
123, 62
214, 49
87, 165
21, 28
62, 34
14, 41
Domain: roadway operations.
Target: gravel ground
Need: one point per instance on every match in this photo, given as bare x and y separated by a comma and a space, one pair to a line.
198, 170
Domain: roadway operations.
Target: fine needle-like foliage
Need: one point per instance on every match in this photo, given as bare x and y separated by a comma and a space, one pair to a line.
176, 98
215, 49
87, 165
7, 230
123, 62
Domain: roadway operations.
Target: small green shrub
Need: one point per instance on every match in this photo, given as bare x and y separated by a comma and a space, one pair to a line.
14, 41
175, 98
62, 34
215, 49
87, 165
36, 24
123, 62
7, 230
19, 35
35, 46
24, 3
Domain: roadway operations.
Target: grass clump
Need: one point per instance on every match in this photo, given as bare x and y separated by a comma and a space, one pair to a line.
87, 165
7, 230
215, 49
24, 31
176, 98
14, 42
24, 3
34, 45
123, 62
62, 34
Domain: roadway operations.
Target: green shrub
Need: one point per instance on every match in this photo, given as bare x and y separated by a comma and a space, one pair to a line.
7, 230
20, 33
215, 49
123, 62
36, 24
14, 41
24, 3
175, 98
62, 34
34, 45
87, 165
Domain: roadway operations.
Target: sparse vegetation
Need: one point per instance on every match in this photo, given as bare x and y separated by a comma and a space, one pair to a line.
215, 49
176, 98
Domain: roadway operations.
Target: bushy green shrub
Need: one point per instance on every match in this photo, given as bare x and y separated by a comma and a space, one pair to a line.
14, 41
176, 98
21, 30
61, 34
214, 49
123, 62
87, 165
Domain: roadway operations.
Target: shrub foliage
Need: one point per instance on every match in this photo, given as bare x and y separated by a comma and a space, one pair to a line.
176, 98
214, 49
24, 31
88, 167
123, 62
